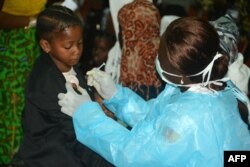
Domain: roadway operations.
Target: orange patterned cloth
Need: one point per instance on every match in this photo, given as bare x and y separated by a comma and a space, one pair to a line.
140, 25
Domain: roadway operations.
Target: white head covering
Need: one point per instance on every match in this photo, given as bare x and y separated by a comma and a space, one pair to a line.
114, 56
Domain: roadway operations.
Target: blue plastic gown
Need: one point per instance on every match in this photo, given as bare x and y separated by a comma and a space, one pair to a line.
175, 129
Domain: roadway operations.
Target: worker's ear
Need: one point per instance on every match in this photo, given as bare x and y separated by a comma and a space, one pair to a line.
45, 45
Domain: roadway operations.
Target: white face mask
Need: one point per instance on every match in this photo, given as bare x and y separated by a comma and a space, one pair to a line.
206, 72
160, 71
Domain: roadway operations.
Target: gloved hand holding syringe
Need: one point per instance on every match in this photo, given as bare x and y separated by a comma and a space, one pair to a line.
102, 82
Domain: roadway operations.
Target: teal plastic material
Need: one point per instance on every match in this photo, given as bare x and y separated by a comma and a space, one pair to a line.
179, 129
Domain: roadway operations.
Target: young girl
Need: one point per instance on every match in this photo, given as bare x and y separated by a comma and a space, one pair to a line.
49, 138
190, 123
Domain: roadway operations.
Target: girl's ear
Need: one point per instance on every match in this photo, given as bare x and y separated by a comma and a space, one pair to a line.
45, 45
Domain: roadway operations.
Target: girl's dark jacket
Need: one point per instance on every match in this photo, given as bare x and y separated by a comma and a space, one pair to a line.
49, 138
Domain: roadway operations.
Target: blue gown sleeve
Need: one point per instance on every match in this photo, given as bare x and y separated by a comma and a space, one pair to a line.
128, 106
94, 129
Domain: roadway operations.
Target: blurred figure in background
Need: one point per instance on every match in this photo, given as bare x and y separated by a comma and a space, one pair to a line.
96, 17
139, 37
103, 42
229, 36
18, 50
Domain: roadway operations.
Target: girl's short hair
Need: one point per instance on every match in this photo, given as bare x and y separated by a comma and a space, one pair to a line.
55, 19
191, 44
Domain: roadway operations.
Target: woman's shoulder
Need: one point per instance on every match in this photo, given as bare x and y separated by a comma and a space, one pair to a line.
193, 103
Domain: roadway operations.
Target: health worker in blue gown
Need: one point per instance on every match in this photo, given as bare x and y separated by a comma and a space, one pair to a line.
198, 115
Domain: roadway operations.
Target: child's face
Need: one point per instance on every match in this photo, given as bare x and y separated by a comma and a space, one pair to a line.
100, 50
66, 47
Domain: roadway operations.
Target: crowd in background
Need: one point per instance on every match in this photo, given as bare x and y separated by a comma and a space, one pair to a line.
98, 19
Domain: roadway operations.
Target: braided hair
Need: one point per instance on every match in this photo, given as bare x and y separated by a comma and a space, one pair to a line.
55, 19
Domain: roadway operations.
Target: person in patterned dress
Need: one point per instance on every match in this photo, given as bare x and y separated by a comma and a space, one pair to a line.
139, 38
18, 50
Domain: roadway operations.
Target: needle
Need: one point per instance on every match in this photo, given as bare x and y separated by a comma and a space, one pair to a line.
103, 64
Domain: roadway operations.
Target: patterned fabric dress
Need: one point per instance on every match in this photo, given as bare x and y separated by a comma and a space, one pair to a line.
140, 28
18, 50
